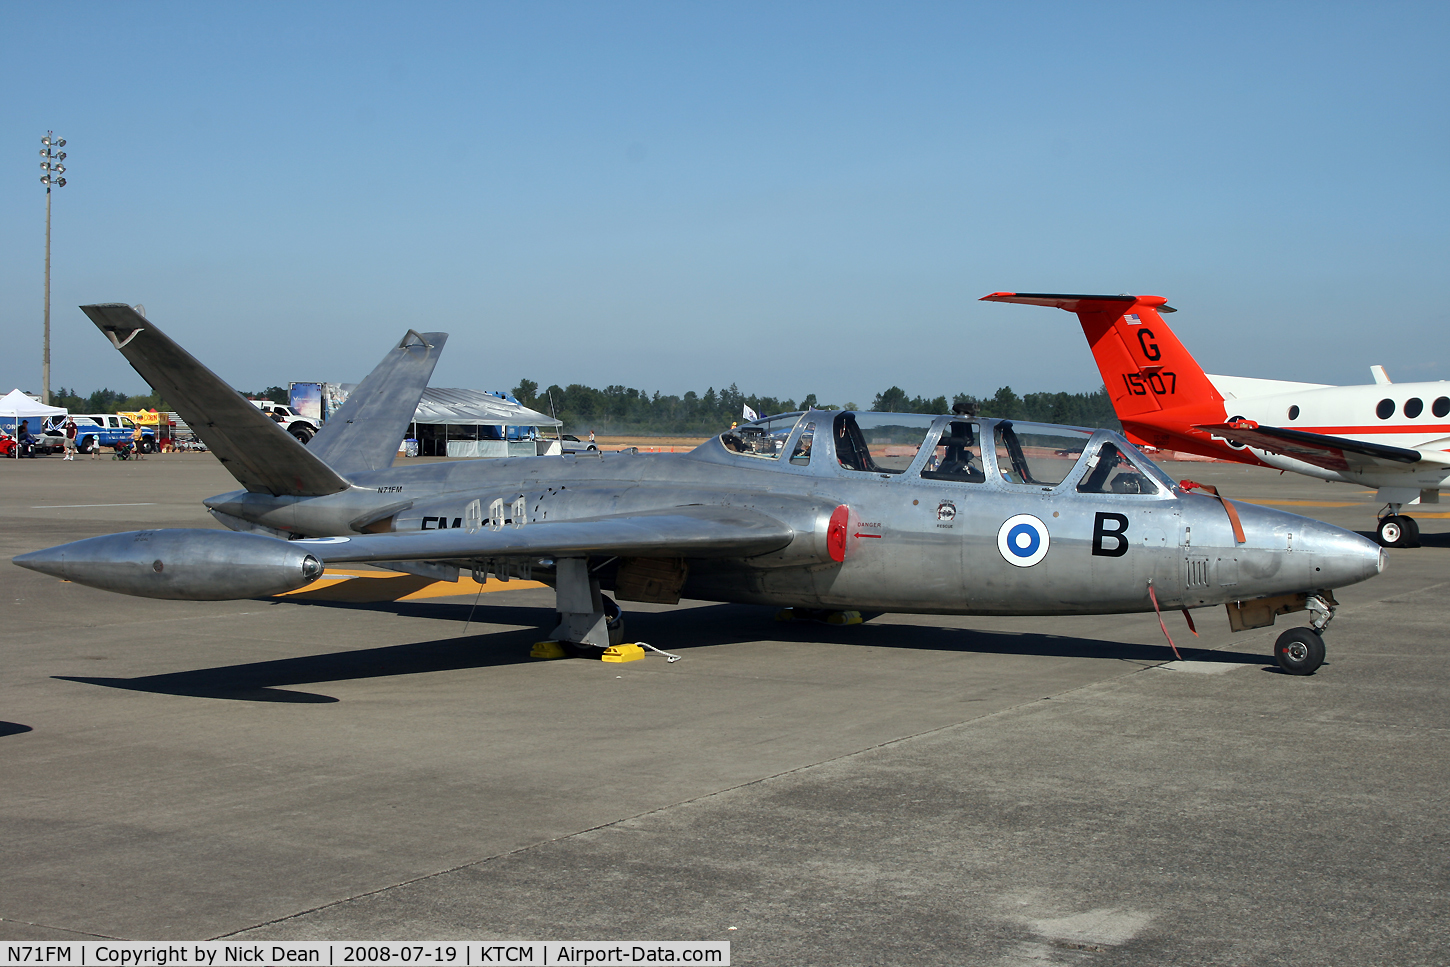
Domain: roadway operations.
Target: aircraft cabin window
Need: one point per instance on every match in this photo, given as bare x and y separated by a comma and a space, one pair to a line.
801, 456
763, 439
1441, 407
1385, 410
1413, 407
1028, 453
957, 455
879, 442
1293, 413
1113, 473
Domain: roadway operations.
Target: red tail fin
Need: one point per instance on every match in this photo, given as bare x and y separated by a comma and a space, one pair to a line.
1158, 389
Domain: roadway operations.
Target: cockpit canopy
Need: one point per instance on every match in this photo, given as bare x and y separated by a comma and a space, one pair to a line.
953, 449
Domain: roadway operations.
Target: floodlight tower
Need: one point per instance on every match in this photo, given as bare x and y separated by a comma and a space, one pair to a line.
53, 178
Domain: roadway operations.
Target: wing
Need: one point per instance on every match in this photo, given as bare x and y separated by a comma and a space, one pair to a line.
1329, 452
693, 532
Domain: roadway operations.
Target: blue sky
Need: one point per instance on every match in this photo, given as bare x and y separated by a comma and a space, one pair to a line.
794, 197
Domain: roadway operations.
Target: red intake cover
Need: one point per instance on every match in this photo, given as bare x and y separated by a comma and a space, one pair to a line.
836, 534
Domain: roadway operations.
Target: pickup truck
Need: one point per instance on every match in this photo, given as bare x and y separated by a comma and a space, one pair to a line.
94, 430
294, 423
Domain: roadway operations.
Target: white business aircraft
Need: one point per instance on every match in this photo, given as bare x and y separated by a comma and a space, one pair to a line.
1394, 437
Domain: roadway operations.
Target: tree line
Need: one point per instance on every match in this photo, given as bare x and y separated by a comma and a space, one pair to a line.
110, 401
622, 409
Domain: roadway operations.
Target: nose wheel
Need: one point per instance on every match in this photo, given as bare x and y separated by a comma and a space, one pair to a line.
1299, 651
1397, 530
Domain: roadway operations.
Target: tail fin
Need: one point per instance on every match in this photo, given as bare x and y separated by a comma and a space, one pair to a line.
262, 456
1144, 367
364, 434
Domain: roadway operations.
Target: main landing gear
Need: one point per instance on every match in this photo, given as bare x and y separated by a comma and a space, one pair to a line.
1397, 530
1300, 651
591, 624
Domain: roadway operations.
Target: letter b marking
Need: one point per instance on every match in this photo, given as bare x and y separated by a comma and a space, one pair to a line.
1101, 533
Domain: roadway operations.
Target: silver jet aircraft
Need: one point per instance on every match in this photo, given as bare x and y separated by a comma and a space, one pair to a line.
818, 511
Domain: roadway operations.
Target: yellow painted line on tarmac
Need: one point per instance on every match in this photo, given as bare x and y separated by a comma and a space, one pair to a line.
375, 586
1299, 503
448, 589
1411, 511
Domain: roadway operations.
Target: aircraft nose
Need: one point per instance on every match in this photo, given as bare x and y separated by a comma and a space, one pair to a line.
1282, 552
1341, 556
49, 561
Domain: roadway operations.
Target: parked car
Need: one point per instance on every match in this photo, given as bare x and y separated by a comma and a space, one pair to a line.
572, 444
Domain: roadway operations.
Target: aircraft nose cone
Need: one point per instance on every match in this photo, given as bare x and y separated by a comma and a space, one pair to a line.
49, 561
1344, 557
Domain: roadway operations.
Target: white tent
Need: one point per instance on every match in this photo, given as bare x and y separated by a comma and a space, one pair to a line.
470, 407
470, 423
18, 406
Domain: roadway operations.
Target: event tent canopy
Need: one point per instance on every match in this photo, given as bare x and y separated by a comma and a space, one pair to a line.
19, 406
471, 407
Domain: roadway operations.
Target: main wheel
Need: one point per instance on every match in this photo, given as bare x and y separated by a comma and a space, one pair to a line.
1299, 651
1393, 532
1412, 531
615, 618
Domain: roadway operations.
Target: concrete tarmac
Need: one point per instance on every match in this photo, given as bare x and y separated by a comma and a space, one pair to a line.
915, 790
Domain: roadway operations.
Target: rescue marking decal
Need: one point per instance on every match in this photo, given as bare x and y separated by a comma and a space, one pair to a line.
1022, 540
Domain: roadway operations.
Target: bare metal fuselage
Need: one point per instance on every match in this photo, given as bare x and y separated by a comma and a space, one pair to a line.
903, 549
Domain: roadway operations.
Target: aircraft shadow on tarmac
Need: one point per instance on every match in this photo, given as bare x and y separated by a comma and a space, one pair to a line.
270, 681
1426, 540
13, 728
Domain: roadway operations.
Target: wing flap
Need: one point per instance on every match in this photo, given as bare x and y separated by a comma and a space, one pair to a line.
1318, 449
692, 532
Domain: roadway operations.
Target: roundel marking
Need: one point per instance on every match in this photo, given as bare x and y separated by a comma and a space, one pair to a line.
1022, 540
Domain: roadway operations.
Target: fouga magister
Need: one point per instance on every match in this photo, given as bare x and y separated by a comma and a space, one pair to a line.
822, 511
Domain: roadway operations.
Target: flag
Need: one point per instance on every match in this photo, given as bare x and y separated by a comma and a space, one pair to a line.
748, 414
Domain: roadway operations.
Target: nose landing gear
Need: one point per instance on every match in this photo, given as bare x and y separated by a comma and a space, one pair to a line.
1300, 651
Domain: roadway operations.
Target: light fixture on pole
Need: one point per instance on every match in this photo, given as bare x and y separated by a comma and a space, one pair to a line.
53, 178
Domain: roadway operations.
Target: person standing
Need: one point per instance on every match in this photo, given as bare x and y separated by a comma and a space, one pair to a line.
138, 442
70, 439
